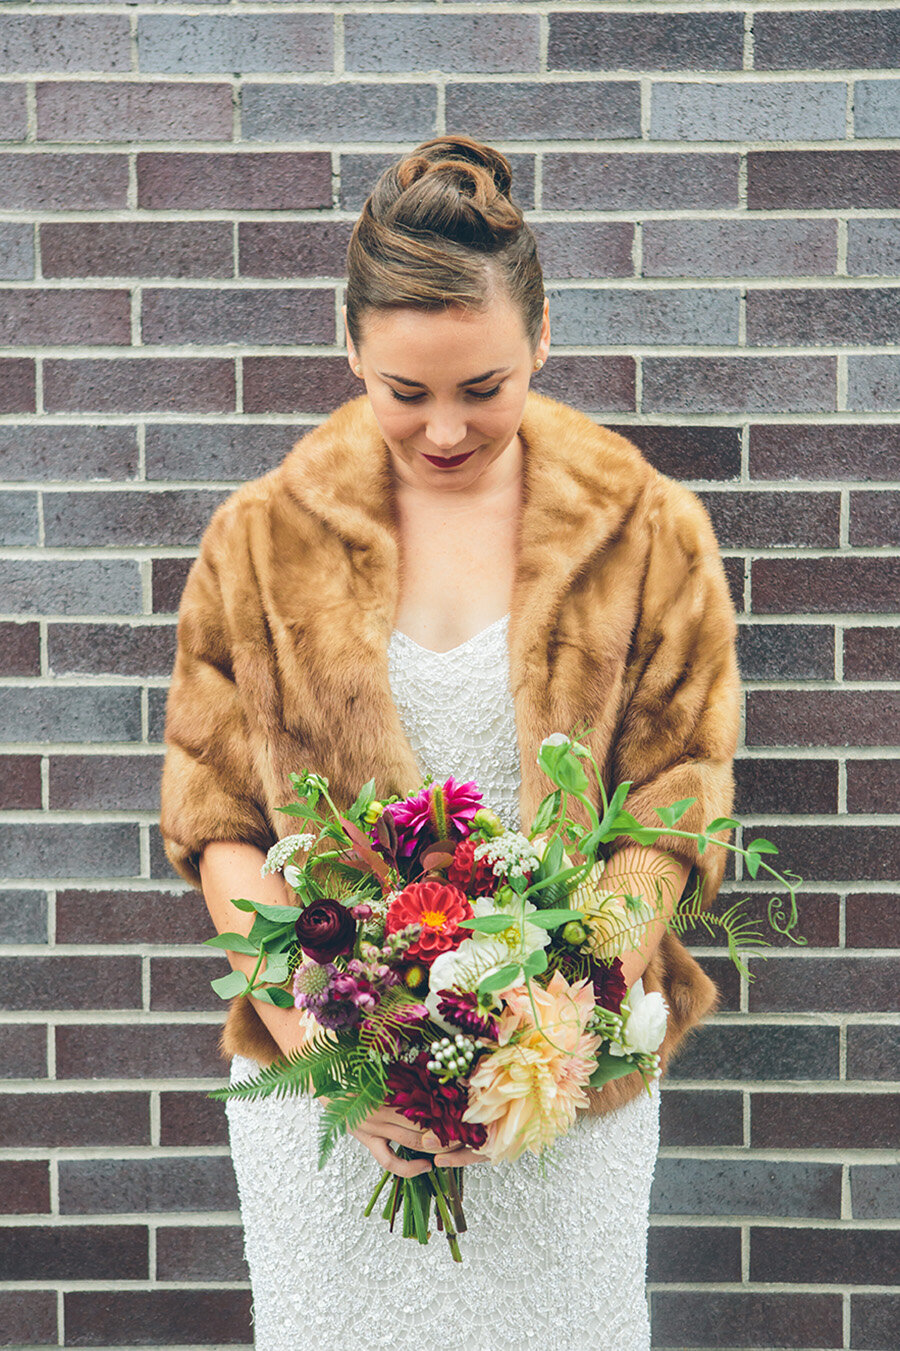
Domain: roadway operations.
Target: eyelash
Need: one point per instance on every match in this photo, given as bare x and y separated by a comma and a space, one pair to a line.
475, 393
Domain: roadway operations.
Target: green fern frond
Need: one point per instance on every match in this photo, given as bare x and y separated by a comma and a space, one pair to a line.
348, 1109
299, 1071
741, 931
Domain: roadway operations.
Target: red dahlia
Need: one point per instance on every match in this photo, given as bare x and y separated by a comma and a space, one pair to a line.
460, 1007
438, 907
609, 984
419, 1096
477, 878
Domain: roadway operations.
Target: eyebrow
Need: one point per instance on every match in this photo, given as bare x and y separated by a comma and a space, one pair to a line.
475, 380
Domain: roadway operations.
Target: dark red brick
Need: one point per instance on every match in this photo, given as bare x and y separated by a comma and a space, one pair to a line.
139, 384
786, 651
294, 384
784, 179
827, 985
56, 1120
874, 1320
28, 1317
601, 384
734, 573
737, 384
693, 1254
598, 41
688, 452
70, 982
192, 1119
23, 1051
822, 317
163, 917
20, 649
78, 1252
737, 1052
158, 1183
127, 1317
701, 1117
624, 181
293, 248
759, 519
243, 180
24, 1187
830, 451
873, 1052
197, 248
823, 1121
207, 1253
873, 785
835, 39
82, 182
182, 315
130, 1051
32, 317
773, 1321
182, 983
875, 518
168, 576
17, 381
823, 1257
818, 920
20, 782
825, 585
174, 516
93, 111
821, 718
871, 653
873, 920
838, 853
585, 248
105, 782
111, 649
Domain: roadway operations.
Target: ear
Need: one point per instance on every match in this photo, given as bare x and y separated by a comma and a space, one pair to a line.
543, 347
351, 350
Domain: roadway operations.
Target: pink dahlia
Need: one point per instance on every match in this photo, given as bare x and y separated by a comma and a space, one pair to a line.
417, 1094
438, 907
437, 812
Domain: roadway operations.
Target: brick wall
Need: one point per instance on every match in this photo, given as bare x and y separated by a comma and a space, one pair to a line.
716, 189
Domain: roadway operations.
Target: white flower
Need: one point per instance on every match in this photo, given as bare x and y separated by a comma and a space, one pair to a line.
645, 1021
283, 851
292, 875
511, 854
556, 739
517, 947
463, 969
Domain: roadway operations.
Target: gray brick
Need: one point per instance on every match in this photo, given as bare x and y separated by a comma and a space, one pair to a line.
746, 1187
51, 182
873, 1052
102, 586
13, 114
826, 39
875, 1192
16, 252
111, 649
873, 247
519, 112
58, 453
64, 982
876, 108
69, 850
105, 782
156, 699
763, 520
184, 315
175, 517
478, 42
645, 41
364, 112
740, 384
207, 1253
616, 317
587, 249
123, 1186
23, 917
223, 451
624, 181
733, 248
197, 45
65, 42
873, 382
786, 651
54, 713
18, 518
152, 111
721, 1052
748, 112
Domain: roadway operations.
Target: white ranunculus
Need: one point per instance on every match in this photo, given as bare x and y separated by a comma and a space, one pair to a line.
511, 938
645, 1023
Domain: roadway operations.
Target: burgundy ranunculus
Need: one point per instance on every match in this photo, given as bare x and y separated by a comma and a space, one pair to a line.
326, 930
609, 984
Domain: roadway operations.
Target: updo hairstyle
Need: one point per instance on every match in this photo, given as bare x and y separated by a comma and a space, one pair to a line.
439, 228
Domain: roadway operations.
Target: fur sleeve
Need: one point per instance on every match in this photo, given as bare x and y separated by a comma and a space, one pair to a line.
680, 722
209, 788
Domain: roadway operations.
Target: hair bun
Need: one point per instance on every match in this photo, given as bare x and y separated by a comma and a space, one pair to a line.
455, 188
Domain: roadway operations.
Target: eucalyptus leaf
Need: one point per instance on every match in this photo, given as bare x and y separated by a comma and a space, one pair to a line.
226, 987
552, 919
232, 943
488, 924
535, 962
500, 979
610, 1067
282, 999
279, 914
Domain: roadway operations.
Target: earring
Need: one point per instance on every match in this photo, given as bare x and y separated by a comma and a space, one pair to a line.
539, 363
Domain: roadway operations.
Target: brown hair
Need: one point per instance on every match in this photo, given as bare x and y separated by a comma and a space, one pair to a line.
439, 228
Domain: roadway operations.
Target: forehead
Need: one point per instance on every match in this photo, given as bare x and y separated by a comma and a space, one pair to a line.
494, 327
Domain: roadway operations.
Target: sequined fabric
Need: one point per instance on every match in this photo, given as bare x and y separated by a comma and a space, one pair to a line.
555, 1255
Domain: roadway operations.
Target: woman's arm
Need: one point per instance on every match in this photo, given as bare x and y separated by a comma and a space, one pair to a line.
637, 870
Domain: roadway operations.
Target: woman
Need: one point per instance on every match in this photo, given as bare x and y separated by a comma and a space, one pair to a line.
446, 571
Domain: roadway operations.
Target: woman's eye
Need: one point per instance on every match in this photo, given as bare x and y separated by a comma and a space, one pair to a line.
476, 394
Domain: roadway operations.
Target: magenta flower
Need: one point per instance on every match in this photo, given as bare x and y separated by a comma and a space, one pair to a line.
438, 812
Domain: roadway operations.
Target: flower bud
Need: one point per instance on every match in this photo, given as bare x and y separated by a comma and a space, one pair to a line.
574, 933
488, 822
415, 977
373, 812
362, 912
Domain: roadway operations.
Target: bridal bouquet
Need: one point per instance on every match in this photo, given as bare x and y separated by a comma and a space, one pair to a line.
467, 975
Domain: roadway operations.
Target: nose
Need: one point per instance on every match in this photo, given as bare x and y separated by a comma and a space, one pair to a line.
445, 430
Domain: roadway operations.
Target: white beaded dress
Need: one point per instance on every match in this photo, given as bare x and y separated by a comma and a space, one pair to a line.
555, 1255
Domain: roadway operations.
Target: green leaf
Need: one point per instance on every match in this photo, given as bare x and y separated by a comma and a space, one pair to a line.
671, 815
241, 904
761, 847
282, 999
702, 842
552, 919
519, 885
364, 800
722, 823
609, 1067
279, 914
235, 982
276, 972
553, 857
500, 979
232, 943
546, 812
613, 808
752, 861
488, 924
626, 824
570, 775
535, 962
293, 809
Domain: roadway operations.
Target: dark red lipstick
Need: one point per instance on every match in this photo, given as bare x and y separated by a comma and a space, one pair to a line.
448, 462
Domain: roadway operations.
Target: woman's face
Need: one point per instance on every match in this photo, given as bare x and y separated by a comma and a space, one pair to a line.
447, 387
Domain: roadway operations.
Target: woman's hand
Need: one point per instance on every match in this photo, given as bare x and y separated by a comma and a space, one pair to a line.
386, 1125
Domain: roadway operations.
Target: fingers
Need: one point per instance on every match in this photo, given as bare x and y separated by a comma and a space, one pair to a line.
381, 1151
457, 1158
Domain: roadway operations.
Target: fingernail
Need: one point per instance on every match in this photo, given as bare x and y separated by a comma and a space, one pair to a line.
430, 1140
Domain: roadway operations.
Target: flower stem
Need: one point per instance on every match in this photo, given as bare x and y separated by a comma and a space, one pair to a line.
377, 1192
437, 1186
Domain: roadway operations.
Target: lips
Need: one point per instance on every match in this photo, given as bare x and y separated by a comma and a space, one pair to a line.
448, 462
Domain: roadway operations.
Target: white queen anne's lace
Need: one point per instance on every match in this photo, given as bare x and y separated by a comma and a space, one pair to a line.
554, 1258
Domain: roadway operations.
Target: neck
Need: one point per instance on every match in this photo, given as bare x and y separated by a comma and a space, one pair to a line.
501, 479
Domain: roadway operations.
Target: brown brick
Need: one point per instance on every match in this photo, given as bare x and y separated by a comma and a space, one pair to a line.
59, 453
30, 317
23, 1051
24, 1187
873, 920
83, 182
821, 718
693, 1254
161, 1182
825, 585
125, 1317
20, 649
192, 1119
70, 982
874, 1320
779, 179
701, 1117
182, 315
823, 1121
599, 384
168, 576
838, 853
871, 653
585, 248
92, 111
129, 1051
17, 383
682, 1318
791, 384
751, 520
207, 1253
822, 317
182, 983
875, 518
28, 1317
873, 785
736, 1052
786, 651
598, 41
873, 1052
73, 42
734, 575
75, 1253
246, 180
105, 782
827, 985
617, 181
688, 452
197, 248
20, 782
140, 384
131, 917
58, 1120
111, 649
293, 248
825, 452
825, 40
295, 384
826, 1257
